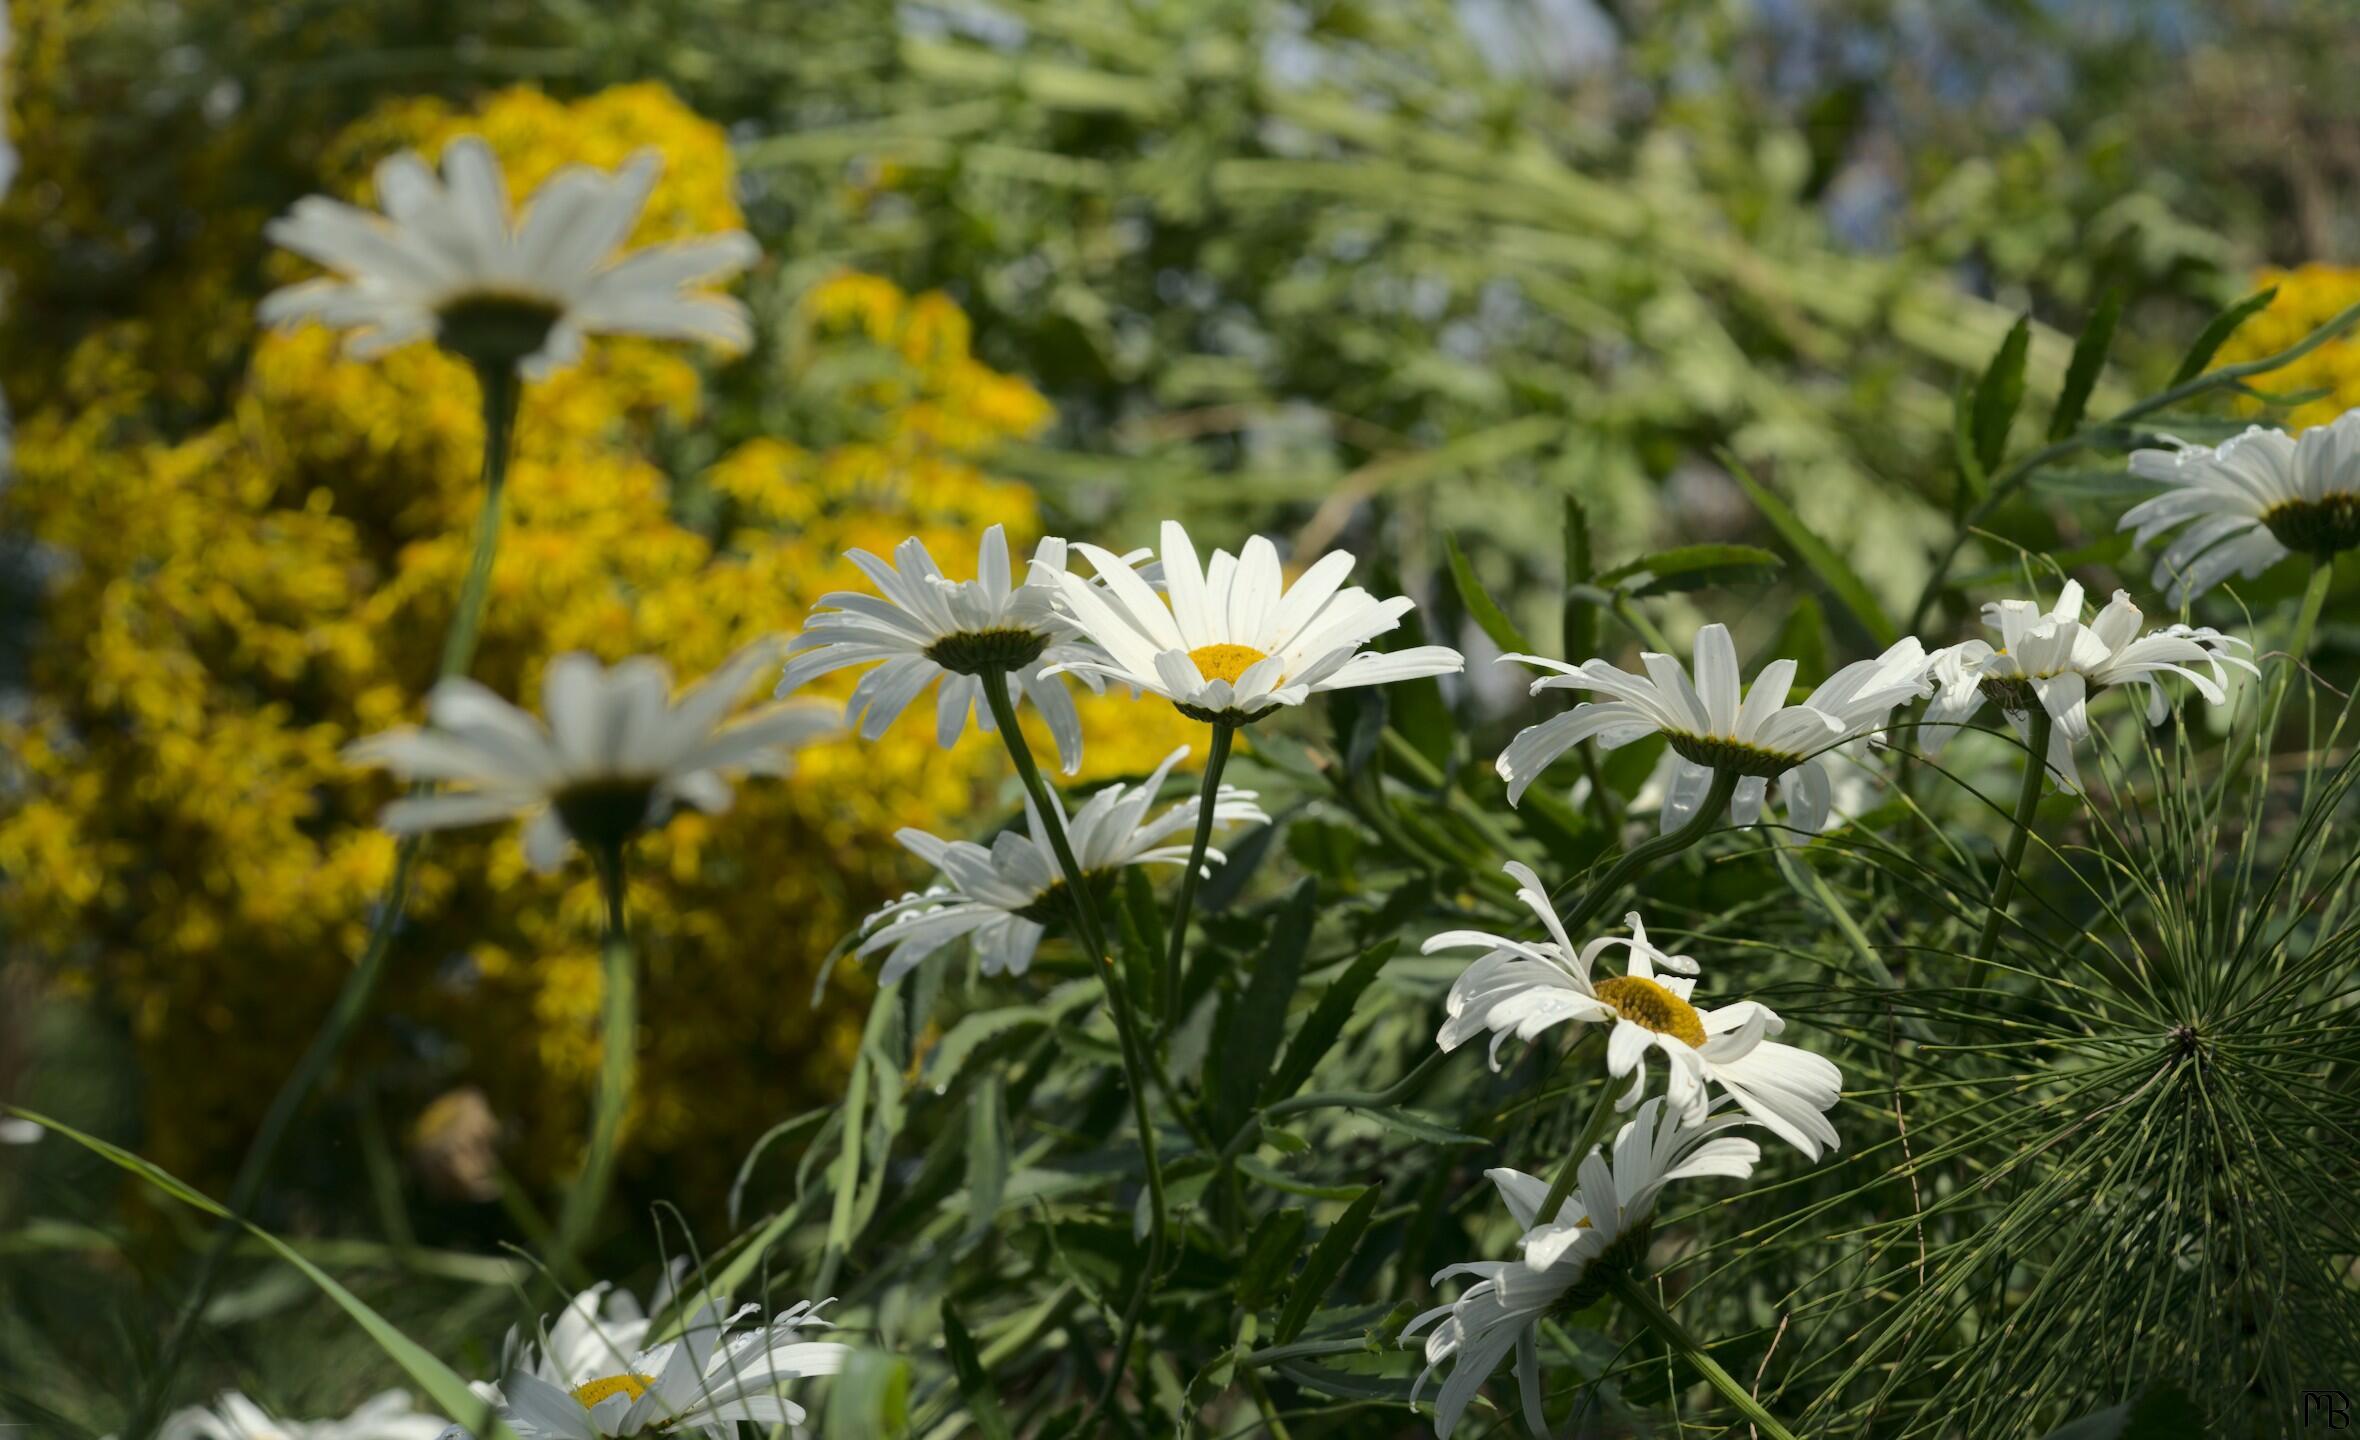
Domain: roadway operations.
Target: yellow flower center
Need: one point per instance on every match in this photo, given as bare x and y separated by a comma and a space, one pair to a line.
590, 1392
1650, 1006
1225, 662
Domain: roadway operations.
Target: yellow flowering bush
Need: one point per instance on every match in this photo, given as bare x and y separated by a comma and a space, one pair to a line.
2308, 296
235, 606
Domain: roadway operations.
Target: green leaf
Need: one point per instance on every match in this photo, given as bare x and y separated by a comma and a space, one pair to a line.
1848, 588
770, 1137
1325, 1263
1318, 1035
966, 1037
1142, 939
2162, 1413
1253, 1168
2217, 332
1270, 1255
1999, 393
983, 1407
1481, 608
2089, 358
1579, 636
1254, 1026
442, 1385
1973, 481
869, 1399
987, 1157
1693, 567
1803, 639
1418, 1127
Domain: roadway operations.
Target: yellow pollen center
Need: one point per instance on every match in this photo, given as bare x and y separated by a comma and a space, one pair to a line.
1225, 662
590, 1392
1650, 1006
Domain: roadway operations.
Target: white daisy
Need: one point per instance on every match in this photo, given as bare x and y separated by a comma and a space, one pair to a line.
1002, 898
232, 1416
1602, 1231
1710, 727
925, 627
2255, 498
2057, 662
595, 1375
1522, 988
1234, 640
615, 754
447, 261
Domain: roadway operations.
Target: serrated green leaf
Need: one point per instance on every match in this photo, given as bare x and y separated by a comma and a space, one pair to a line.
1253, 1027
1318, 1033
1420, 1127
1848, 588
1481, 608
2217, 331
1270, 1255
2089, 360
960, 1043
983, 1407
1999, 393
1324, 1264
1693, 567
1279, 1180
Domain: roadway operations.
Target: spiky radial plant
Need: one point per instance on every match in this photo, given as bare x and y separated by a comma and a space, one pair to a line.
2114, 1151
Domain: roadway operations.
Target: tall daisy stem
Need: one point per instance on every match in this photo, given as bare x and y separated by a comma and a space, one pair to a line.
2036, 764
1633, 1291
1568, 1171
1126, 1023
501, 390
618, 1057
1185, 903
1647, 852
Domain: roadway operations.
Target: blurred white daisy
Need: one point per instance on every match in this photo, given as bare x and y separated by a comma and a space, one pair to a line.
1565, 1262
447, 261
1523, 988
2055, 661
2255, 498
1002, 898
1233, 640
1715, 724
232, 1416
595, 1375
925, 628
615, 753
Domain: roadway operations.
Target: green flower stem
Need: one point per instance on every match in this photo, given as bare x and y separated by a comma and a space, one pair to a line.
2298, 648
1223, 736
1647, 852
1593, 1130
501, 391
619, 1048
1633, 1291
2036, 765
1118, 999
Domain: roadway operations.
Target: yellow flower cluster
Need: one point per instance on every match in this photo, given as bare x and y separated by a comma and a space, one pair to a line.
239, 604
2308, 297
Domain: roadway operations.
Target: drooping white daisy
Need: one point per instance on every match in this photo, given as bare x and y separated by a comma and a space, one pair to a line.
447, 261
615, 753
232, 1416
1567, 1261
925, 627
595, 1375
1710, 726
2055, 661
1234, 641
2255, 498
1523, 988
1002, 898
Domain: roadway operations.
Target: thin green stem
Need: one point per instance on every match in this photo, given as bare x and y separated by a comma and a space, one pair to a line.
1223, 736
618, 1056
2036, 764
1118, 1000
1647, 852
1569, 1171
500, 393
1633, 1291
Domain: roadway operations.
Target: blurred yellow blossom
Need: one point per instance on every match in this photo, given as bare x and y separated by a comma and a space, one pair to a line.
2308, 297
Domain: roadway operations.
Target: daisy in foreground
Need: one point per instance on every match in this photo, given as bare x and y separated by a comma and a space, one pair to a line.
1566, 1262
1710, 726
2255, 498
2057, 662
925, 628
234, 1417
1523, 988
447, 261
1235, 641
615, 754
597, 1376
1003, 898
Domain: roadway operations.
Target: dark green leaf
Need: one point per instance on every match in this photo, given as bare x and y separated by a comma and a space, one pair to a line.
1419, 1127
983, 1407
1325, 1263
1999, 393
2160, 1414
1140, 923
1253, 1027
2217, 331
1312, 1042
1579, 637
1481, 608
1848, 588
1973, 481
1803, 639
1693, 567
987, 1157
1270, 1255
2089, 359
